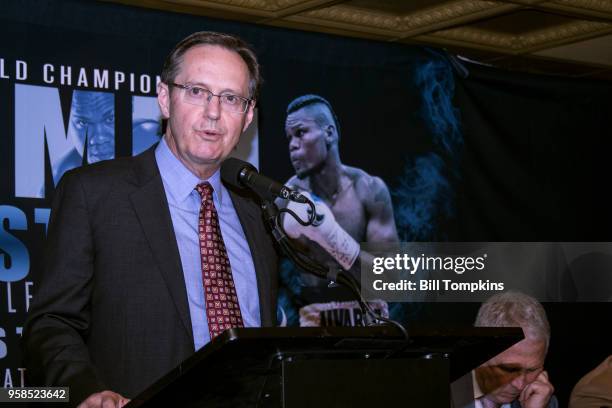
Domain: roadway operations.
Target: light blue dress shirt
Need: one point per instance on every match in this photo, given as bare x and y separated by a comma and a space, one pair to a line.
184, 201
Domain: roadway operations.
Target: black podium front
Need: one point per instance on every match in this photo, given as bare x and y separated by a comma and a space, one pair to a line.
327, 367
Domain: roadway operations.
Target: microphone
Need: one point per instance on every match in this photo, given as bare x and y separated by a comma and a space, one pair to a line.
239, 173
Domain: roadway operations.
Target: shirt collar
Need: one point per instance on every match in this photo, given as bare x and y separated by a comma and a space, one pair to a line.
178, 179
477, 391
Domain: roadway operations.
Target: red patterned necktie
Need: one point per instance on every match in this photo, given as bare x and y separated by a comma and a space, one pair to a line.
222, 309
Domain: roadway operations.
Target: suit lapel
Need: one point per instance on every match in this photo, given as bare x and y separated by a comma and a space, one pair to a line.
151, 207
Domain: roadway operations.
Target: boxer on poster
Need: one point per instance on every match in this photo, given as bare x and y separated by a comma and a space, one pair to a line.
352, 206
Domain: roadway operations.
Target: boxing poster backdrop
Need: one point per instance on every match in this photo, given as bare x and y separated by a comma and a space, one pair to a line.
466, 153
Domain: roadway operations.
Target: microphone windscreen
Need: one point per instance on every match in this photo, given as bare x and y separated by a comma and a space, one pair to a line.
230, 171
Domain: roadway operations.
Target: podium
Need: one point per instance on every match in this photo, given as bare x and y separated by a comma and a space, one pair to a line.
344, 367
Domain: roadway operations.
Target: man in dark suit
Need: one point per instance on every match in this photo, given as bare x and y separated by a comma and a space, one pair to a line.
149, 258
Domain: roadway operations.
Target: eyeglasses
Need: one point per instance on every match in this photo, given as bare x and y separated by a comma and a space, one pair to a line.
196, 95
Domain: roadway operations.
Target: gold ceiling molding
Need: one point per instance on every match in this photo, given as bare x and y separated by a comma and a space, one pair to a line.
266, 5
353, 16
595, 5
518, 44
213, 8
572, 31
600, 9
482, 39
456, 12
281, 4
271, 6
529, 3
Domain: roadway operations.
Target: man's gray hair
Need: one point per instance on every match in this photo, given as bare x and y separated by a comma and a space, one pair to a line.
173, 61
515, 309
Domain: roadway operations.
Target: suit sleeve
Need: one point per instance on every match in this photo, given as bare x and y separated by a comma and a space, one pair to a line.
58, 322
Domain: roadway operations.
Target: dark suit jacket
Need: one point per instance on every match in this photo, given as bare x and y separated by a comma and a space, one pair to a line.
111, 309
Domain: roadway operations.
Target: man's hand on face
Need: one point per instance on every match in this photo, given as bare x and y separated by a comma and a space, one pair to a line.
104, 399
538, 393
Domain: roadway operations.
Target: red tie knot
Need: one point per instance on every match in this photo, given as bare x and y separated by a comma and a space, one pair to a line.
205, 190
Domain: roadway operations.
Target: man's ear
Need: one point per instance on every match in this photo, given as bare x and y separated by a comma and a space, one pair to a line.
330, 135
249, 116
163, 99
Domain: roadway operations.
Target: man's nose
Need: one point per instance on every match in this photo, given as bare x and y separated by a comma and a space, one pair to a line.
520, 382
294, 144
212, 108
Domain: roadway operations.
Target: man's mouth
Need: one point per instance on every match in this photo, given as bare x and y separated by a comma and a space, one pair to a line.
210, 133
